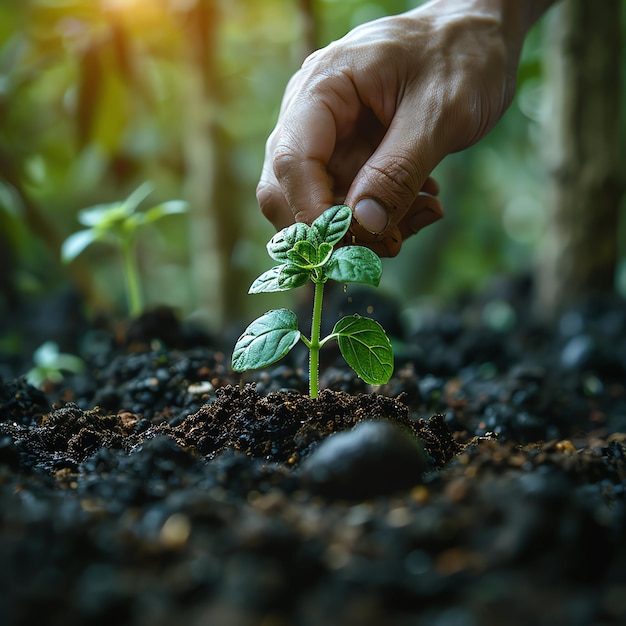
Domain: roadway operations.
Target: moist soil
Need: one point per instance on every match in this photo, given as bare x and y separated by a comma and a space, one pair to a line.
483, 485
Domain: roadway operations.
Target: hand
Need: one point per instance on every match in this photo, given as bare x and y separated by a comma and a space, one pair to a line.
366, 119
425, 210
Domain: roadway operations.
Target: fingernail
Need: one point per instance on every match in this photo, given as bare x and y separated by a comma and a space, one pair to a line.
424, 218
371, 215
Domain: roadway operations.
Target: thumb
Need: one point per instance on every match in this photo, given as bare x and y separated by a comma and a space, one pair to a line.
388, 183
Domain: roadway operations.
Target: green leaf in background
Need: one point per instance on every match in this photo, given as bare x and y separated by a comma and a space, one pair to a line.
333, 224
173, 207
355, 264
101, 214
50, 363
284, 240
76, 243
366, 348
137, 197
267, 340
104, 216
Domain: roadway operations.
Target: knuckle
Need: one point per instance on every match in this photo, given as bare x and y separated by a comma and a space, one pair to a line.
398, 180
283, 163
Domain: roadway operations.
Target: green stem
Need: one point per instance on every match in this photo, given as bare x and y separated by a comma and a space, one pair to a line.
133, 290
314, 349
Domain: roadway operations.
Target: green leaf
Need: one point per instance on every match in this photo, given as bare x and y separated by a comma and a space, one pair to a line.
76, 243
267, 340
332, 224
267, 282
292, 277
50, 364
70, 363
366, 348
279, 278
303, 254
354, 264
46, 354
137, 197
284, 240
173, 207
324, 253
101, 213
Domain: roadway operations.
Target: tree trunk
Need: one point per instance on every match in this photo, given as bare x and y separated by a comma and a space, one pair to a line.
310, 28
213, 224
582, 154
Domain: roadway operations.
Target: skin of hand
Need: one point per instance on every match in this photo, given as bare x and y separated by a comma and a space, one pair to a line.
367, 118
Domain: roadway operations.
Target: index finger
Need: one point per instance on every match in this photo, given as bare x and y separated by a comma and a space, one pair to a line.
301, 148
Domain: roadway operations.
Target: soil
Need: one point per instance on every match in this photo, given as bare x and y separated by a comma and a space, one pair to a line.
482, 486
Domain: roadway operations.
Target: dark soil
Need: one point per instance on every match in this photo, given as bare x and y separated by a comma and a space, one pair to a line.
483, 485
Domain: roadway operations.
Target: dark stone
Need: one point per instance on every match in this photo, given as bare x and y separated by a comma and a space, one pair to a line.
374, 458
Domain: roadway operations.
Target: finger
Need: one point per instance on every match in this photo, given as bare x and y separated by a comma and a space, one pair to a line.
387, 245
431, 186
271, 199
388, 183
303, 148
426, 210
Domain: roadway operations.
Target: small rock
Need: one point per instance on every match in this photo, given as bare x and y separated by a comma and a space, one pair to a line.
200, 388
578, 352
374, 458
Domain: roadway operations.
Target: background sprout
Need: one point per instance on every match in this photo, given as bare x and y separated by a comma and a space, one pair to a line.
50, 364
117, 223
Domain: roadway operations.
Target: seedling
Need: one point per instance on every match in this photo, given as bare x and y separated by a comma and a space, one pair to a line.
117, 223
50, 363
308, 253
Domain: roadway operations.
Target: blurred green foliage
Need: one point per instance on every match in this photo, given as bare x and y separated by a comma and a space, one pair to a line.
92, 103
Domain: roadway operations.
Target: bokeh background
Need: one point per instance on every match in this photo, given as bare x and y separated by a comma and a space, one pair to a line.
98, 96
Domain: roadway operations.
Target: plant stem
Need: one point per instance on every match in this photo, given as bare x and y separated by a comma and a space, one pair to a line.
133, 290
314, 349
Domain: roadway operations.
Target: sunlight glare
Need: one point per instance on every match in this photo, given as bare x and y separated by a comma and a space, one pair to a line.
141, 13
127, 5
120, 4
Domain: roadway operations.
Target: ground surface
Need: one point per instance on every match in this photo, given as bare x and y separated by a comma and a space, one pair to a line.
484, 485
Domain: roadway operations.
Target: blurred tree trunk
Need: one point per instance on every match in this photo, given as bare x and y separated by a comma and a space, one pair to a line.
215, 222
582, 153
213, 219
46, 230
310, 28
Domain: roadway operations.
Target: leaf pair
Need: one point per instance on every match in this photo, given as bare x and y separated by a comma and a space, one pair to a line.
116, 222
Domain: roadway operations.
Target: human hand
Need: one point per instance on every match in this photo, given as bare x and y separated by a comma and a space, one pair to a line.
366, 119
425, 210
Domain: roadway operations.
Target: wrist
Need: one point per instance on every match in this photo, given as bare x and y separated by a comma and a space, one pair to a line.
513, 18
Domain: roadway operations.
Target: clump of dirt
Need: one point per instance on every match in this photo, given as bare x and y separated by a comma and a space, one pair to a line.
284, 427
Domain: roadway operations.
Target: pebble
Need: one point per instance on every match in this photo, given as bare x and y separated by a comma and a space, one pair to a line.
374, 458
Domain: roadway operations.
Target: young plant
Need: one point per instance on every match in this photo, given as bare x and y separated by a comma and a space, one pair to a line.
308, 253
50, 363
117, 223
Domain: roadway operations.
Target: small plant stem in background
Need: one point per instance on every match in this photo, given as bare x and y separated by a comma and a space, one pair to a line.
133, 290
314, 348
